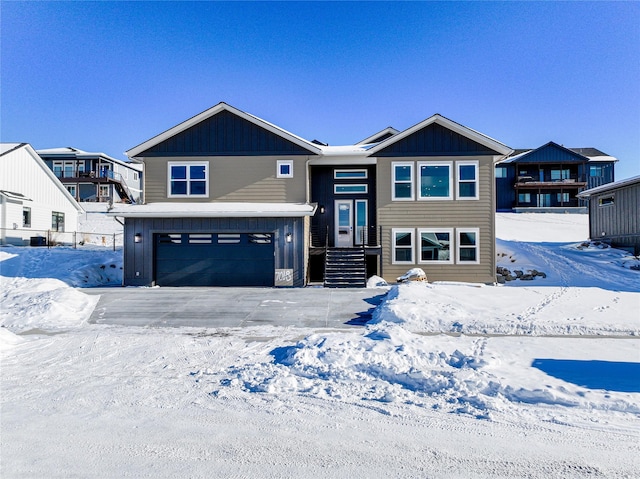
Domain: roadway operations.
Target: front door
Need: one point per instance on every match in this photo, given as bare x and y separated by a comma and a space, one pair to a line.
344, 223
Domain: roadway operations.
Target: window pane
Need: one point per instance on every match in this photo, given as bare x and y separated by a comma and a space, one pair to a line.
403, 173
403, 190
178, 187
434, 181
285, 170
403, 239
435, 246
467, 189
178, 172
350, 174
197, 172
403, 254
198, 188
350, 188
467, 239
467, 254
467, 172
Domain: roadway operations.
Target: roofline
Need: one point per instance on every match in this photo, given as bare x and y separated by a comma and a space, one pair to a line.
136, 150
474, 135
87, 155
139, 211
609, 186
384, 131
49, 172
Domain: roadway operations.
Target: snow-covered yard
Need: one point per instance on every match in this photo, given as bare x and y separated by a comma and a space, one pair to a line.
537, 378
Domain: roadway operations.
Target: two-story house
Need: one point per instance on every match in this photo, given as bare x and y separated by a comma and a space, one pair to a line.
95, 176
231, 199
550, 177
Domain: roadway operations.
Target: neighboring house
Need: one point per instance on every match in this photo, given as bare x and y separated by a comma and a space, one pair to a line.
550, 177
95, 176
234, 200
33, 203
614, 213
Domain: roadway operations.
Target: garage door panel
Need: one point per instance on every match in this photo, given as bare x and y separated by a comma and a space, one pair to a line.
214, 260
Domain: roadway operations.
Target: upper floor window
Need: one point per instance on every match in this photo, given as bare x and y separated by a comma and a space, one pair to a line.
606, 201
435, 181
467, 180
402, 181
285, 169
501, 172
188, 179
560, 175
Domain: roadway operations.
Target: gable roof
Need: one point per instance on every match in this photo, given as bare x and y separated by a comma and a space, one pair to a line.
538, 155
221, 107
6, 148
382, 135
471, 137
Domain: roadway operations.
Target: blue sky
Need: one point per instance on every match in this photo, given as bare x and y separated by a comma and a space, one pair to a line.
106, 76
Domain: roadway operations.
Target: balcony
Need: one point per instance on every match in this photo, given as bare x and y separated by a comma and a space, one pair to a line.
528, 182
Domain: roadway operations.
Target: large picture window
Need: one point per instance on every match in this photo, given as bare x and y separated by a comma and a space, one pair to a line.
468, 245
188, 179
435, 181
435, 245
402, 246
402, 181
467, 180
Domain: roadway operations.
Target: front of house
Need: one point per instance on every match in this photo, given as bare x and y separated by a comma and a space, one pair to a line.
231, 199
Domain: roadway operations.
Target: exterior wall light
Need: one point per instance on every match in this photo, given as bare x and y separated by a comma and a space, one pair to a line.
137, 238
289, 238
321, 209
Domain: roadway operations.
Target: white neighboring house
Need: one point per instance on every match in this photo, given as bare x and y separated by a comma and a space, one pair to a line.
33, 202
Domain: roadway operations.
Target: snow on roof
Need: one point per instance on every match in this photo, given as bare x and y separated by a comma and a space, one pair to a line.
70, 151
609, 186
6, 147
214, 210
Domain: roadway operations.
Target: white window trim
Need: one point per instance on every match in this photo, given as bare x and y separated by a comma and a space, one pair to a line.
393, 245
459, 181
411, 178
459, 231
187, 164
435, 230
419, 182
281, 163
336, 177
341, 185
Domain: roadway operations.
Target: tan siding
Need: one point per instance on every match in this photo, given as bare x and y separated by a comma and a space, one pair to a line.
449, 213
238, 179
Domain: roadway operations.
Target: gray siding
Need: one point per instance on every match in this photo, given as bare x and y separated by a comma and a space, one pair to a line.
618, 223
446, 214
139, 257
239, 179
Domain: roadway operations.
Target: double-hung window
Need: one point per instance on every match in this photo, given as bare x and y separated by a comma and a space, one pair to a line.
435, 245
435, 181
188, 179
402, 246
467, 180
402, 181
468, 245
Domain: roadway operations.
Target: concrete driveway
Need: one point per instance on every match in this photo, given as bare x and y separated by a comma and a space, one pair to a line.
235, 307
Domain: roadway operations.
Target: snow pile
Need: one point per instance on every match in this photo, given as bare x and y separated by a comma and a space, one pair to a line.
388, 364
48, 304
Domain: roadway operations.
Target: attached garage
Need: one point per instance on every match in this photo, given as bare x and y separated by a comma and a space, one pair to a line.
214, 259
215, 244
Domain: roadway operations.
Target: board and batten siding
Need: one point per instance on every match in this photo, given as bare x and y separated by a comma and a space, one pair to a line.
618, 222
234, 179
139, 257
439, 213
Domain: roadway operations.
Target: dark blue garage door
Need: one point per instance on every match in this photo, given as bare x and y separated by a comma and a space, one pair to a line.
214, 259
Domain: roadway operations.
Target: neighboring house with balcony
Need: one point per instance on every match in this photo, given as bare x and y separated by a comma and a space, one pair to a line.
33, 203
614, 213
550, 177
231, 199
95, 176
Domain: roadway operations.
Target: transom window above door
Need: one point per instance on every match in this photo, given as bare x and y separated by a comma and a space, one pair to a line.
188, 179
